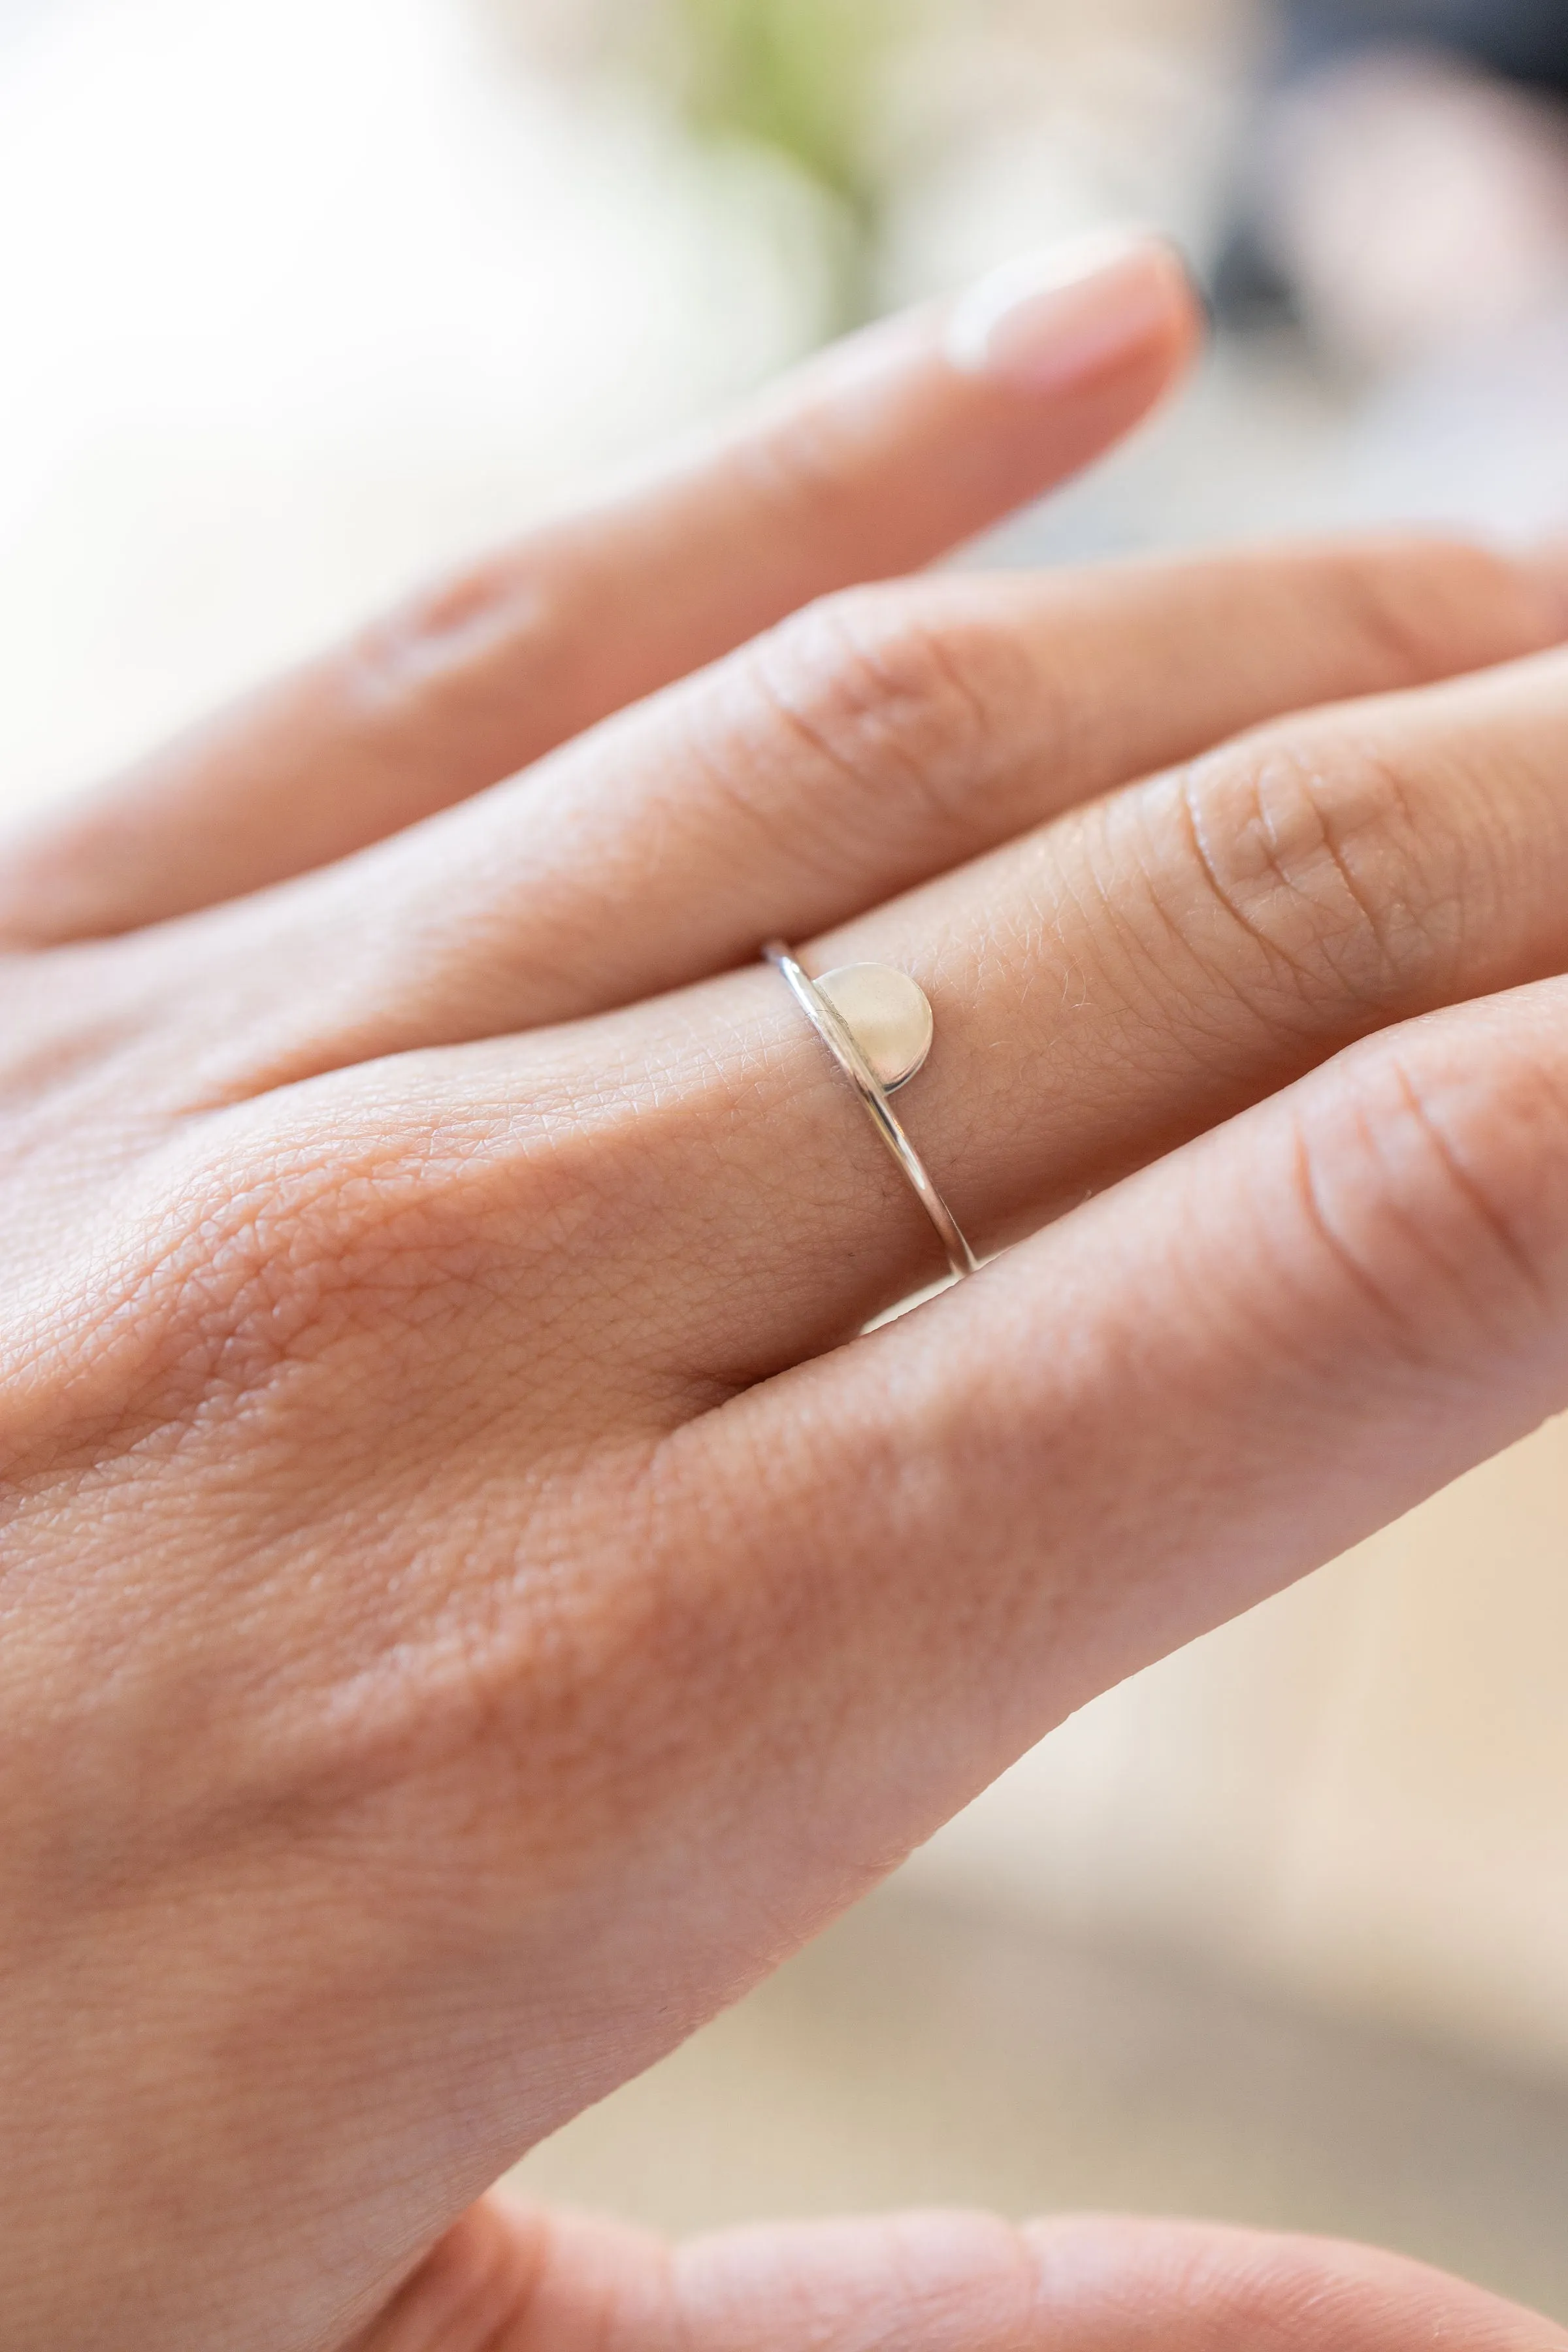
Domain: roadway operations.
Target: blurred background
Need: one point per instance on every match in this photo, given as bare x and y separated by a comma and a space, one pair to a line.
303, 297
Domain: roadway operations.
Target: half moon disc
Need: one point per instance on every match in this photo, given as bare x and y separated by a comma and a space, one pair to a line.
887, 1014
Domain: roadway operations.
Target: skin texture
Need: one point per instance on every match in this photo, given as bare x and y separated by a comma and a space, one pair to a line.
471, 1603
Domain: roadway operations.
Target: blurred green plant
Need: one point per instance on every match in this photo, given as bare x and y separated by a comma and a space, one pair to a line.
807, 81
802, 76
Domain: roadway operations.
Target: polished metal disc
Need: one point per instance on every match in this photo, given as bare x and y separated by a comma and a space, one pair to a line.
887, 1014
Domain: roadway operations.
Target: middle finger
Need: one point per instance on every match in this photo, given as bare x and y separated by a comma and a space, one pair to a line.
1129, 976
874, 741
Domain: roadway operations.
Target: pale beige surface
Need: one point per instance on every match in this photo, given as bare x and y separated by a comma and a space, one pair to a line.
1359, 1792
920, 2055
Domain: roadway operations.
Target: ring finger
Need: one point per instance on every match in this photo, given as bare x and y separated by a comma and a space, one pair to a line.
1135, 972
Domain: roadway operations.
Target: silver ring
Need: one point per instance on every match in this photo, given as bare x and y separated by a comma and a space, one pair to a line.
877, 1025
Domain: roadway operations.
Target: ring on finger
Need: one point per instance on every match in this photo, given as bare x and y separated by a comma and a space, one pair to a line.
878, 1025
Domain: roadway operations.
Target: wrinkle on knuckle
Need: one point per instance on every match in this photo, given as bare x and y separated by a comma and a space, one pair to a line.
1322, 856
1434, 1184
1112, 893
433, 640
1319, 1189
1484, 1201
1426, 607
889, 696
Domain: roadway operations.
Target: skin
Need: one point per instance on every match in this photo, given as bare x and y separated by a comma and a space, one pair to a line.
471, 1603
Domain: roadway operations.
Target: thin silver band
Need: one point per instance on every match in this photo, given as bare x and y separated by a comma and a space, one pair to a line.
837, 1036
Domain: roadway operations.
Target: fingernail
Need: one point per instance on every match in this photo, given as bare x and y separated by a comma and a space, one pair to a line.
1048, 319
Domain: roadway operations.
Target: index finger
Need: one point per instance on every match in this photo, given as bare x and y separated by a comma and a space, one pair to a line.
880, 455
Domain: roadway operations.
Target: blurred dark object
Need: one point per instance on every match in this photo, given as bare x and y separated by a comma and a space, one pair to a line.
1523, 40
1404, 191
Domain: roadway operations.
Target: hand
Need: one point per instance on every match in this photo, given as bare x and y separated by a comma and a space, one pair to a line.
471, 1604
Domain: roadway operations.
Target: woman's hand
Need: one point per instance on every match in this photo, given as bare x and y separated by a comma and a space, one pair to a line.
470, 1603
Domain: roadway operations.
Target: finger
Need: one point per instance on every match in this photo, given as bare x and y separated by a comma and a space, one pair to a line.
511, 2280
870, 744
1104, 990
1152, 965
1169, 2286
889, 450
1137, 1425
1130, 978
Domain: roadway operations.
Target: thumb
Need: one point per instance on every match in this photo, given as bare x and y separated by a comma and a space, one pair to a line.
508, 2279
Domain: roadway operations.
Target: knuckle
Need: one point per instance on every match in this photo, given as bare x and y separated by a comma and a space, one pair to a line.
1423, 608
895, 689
1332, 860
1434, 1168
802, 465
431, 641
